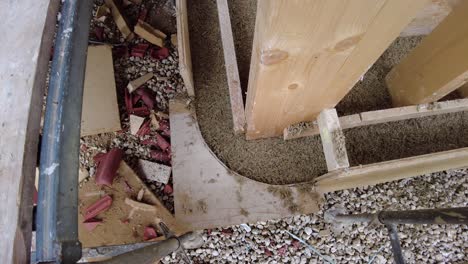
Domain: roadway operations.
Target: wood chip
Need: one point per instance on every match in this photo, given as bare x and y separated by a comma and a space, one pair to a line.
120, 20
140, 195
152, 35
133, 85
140, 206
135, 123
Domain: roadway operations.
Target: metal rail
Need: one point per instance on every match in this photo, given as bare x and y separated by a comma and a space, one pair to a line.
57, 212
453, 216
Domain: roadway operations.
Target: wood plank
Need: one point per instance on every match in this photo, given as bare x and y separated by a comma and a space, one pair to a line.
306, 56
207, 194
152, 35
392, 170
429, 17
183, 46
232, 72
380, 116
25, 55
437, 66
100, 110
333, 140
113, 230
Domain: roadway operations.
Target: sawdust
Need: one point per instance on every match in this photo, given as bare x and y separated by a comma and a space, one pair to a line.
339, 147
285, 194
275, 161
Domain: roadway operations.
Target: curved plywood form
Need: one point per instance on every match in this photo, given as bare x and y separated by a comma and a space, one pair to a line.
207, 194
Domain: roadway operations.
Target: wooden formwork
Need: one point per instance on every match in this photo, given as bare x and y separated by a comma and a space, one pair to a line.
208, 194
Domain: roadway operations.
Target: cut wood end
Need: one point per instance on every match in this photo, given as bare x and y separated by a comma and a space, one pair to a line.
147, 32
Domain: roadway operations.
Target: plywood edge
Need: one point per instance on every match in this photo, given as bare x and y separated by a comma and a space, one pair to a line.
207, 194
429, 17
392, 170
232, 72
381, 116
183, 46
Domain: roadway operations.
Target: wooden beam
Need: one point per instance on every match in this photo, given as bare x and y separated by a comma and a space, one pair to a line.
120, 20
380, 116
232, 72
392, 170
307, 56
333, 140
27, 29
183, 46
429, 17
437, 66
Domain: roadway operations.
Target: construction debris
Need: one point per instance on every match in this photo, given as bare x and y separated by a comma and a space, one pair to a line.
91, 224
98, 207
82, 174
135, 123
152, 35
120, 20
140, 194
154, 171
140, 206
174, 40
102, 12
159, 54
135, 84
150, 233
139, 50
107, 166
100, 109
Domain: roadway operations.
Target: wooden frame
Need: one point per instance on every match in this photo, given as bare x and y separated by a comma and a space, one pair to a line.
25, 56
380, 116
307, 56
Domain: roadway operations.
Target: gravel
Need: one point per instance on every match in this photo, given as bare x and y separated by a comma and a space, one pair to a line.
268, 242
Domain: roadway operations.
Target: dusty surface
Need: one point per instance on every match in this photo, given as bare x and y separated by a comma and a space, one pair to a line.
299, 160
268, 242
269, 160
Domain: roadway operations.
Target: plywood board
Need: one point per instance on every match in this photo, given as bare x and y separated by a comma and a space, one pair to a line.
307, 55
207, 194
437, 66
100, 112
380, 116
27, 31
183, 46
113, 230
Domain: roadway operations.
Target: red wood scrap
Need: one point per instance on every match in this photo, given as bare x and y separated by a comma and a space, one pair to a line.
98, 207
141, 111
147, 96
159, 54
139, 50
135, 98
107, 167
160, 156
149, 233
145, 129
162, 142
91, 224
168, 189
99, 33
